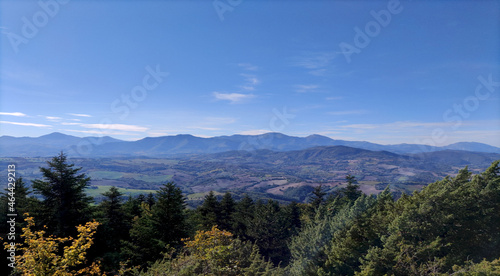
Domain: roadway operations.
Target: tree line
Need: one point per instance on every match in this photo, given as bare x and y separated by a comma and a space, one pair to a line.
451, 226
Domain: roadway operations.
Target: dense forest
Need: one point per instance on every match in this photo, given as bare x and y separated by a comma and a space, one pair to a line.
451, 226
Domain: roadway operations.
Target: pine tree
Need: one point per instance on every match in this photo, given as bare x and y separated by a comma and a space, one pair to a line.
227, 209
268, 230
243, 215
168, 214
209, 211
113, 229
352, 191
65, 203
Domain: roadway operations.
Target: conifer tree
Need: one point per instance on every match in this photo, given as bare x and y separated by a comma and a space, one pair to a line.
352, 191
65, 203
209, 211
227, 209
113, 229
168, 214
243, 215
318, 197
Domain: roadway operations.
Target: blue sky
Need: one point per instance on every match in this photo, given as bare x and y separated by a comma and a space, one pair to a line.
382, 71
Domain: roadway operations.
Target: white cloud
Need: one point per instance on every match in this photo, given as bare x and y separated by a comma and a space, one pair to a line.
79, 115
205, 128
251, 79
51, 118
17, 114
254, 132
248, 66
24, 124
232, 97
250, 82
303, 88
116, 127
100, 132
333, 98
347, 112
314, 60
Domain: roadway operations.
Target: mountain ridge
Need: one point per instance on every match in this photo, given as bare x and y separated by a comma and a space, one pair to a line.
181, 144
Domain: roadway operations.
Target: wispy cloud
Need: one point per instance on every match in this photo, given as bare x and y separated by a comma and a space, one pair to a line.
250, 82
205, 128
347, 112
254, 132
17, 114
303, 88
116, 127
218, 120
100, 132
79, 115
248, 66
233, 97
52, 118
313, 60
333, 98
24, 124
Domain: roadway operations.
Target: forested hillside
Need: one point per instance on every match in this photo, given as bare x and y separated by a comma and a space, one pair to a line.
451, 226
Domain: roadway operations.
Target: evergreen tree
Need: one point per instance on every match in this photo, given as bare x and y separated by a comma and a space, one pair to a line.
169, 217
352, 191
65, 203
227, 209
209, 211
243, 215
150, 199
113, 229
318, 196
143, 247
268, 230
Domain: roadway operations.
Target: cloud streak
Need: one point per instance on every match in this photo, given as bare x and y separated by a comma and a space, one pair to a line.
304, 88
232, 97
122, 127
248, 66
347, 112
17, 114
79, 115
24, 124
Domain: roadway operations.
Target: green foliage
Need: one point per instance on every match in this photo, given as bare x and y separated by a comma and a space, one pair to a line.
484, 268
114, 228
227, 209
168, 214
447, 223
451, 226
270, 229
158, 227
209, 211
309, 248
65, 203
214, 252
242, 217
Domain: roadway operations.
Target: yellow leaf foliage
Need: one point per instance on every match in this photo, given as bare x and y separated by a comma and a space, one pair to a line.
40, 252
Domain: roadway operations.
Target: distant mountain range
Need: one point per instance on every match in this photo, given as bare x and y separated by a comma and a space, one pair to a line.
51, 144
